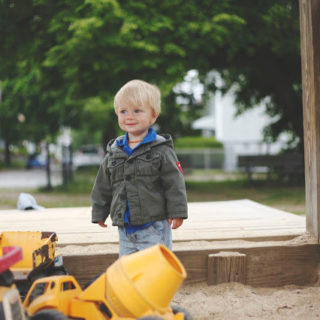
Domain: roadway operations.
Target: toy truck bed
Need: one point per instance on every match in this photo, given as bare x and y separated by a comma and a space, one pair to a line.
38, 250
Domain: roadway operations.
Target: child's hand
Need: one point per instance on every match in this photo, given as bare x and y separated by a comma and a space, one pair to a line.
102, 224
175, 223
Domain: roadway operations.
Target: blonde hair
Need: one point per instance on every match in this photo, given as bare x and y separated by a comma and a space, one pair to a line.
139, 93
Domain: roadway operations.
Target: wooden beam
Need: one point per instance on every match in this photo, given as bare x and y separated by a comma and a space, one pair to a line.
227, 266
219, 220
267, 266
310, 62
86, 267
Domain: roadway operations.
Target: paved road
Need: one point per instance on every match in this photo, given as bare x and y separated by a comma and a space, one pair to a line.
33, 178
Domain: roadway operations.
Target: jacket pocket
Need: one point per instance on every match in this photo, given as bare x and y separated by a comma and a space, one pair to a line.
148, 164
116, 168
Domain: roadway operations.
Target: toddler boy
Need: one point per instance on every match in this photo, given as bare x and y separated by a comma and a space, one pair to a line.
140, 182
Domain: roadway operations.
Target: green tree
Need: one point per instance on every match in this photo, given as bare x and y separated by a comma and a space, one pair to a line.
106, 43
263, 64
10, 126
71, 57
255, 48
10, 52
34, 104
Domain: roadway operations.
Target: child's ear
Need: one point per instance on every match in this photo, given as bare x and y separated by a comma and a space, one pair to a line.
153, 118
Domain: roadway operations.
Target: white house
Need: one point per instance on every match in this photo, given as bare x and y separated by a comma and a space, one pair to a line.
242, 134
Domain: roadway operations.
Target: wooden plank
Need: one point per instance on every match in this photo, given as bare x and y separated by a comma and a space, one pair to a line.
86, 267
310, 63
227, 266
267, 266
238, 219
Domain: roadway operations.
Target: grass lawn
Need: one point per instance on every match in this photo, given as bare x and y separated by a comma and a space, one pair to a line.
210, 185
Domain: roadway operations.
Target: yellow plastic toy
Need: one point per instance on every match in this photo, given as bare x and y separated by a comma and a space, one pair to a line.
39, 257
137, 286
10, 304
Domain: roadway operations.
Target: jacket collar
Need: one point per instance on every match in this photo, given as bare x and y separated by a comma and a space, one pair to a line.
123, 141
113, 146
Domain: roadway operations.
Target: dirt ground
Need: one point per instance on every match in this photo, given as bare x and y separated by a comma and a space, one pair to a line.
234, 301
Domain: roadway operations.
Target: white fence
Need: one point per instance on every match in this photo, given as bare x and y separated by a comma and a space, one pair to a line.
226, 158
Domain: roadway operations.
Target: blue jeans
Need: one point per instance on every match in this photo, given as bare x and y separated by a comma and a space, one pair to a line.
158, 232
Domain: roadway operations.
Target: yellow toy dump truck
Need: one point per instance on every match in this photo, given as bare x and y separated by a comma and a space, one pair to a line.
11, 307
10, 304
39, 259
137, 286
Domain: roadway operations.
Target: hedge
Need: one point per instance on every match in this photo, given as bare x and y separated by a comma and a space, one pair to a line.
197, 142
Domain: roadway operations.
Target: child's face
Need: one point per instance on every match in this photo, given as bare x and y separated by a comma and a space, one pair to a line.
135, 120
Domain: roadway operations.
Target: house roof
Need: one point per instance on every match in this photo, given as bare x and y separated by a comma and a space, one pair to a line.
204, 123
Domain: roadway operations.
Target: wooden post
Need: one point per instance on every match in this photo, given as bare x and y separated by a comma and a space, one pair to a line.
227, 267
310, 62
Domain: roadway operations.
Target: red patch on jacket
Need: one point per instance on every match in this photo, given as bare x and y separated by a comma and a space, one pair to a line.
179, 167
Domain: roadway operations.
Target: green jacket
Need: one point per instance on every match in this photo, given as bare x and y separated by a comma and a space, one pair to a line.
150, 178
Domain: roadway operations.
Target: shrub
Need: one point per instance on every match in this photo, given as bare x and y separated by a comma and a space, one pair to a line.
197, 142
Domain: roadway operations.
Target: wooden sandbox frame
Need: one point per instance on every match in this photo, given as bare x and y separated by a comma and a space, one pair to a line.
272, 260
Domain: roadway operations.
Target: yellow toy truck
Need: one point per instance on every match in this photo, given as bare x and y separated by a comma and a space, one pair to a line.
10, 304
11, 307
137, 286
39, 259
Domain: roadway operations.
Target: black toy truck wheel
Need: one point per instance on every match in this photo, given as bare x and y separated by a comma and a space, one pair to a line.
150, 318
49, 315
186, 314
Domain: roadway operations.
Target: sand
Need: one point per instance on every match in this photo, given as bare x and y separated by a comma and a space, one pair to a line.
234, 301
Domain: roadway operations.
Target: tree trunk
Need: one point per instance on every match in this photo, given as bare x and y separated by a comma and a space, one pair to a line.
70, 162
67, 160
48, 168
7, 153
